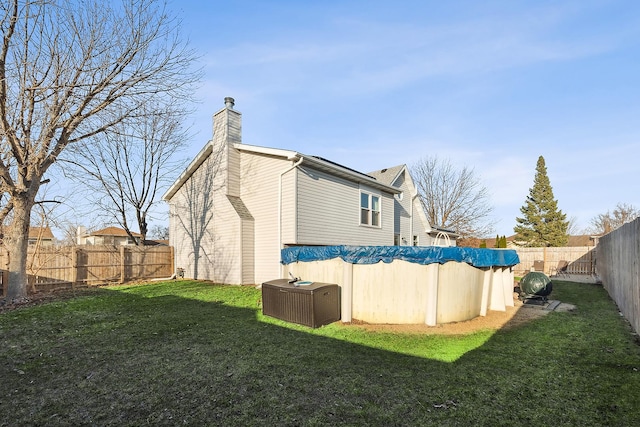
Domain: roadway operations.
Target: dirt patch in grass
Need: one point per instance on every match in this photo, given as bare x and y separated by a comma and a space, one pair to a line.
44, 298
512, 317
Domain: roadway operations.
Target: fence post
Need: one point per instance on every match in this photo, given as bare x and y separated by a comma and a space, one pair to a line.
172, 262
74, 267
122, 266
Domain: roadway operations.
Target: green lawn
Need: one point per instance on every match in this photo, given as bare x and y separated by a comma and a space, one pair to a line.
191, 353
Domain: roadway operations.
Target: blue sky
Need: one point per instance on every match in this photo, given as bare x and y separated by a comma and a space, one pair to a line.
491, 85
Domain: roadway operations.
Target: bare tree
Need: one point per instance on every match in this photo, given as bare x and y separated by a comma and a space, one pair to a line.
453, 198
130, 164
160, 232
68, 71
572, 227
609, 221
69, 233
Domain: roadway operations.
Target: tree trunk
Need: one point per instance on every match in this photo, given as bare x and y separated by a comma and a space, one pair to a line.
16, 241
142, 225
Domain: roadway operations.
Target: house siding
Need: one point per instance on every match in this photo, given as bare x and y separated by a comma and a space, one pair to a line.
248, 252
289, 216
191, 217
403, 212
214, 240
260, 193
419, 226
328, 210
227, 241
409, 222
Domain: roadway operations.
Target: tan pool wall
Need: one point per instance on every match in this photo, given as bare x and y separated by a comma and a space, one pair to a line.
407, 293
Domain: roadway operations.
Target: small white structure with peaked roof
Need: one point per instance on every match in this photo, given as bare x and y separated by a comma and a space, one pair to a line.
236, 206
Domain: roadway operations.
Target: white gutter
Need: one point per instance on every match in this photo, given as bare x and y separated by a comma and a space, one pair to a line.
293, 166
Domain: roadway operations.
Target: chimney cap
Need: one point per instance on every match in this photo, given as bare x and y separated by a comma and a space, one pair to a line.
229, 102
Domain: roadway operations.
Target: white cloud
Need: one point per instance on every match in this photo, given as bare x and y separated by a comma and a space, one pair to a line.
361, 57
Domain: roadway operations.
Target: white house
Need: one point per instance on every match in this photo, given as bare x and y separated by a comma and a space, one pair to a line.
236, 206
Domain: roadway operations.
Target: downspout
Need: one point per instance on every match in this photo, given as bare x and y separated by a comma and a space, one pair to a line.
295, 165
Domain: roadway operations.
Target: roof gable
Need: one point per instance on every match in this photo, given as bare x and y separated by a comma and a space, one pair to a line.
388, 175
186, 174
114, 231
43, 233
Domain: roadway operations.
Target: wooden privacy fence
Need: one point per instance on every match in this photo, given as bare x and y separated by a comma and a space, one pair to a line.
56, 267
619, 269
578, 260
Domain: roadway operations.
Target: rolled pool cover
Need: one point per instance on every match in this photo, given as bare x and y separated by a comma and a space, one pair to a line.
536, 283
415, 254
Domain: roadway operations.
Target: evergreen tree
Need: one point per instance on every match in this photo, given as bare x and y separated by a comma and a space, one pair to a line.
542, 224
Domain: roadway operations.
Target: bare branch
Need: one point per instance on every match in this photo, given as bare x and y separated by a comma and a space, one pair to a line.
453, 199
609, 221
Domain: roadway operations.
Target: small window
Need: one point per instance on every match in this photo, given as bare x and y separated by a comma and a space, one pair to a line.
396, 240
415, 241
369, 209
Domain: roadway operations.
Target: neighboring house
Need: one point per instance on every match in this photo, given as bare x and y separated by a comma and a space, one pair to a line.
583, 240
40, 236
107, 236
236, 206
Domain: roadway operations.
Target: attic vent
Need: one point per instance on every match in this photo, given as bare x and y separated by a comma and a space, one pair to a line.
383, 171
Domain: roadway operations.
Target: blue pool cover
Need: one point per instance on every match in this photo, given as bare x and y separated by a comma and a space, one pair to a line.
417, 254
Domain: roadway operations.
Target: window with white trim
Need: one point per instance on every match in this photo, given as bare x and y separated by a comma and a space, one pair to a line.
415, 241
369, 209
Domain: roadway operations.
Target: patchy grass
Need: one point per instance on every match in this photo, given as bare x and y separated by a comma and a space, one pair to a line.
199, 354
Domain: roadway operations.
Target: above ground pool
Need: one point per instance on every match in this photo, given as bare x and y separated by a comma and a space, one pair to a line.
408, 284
